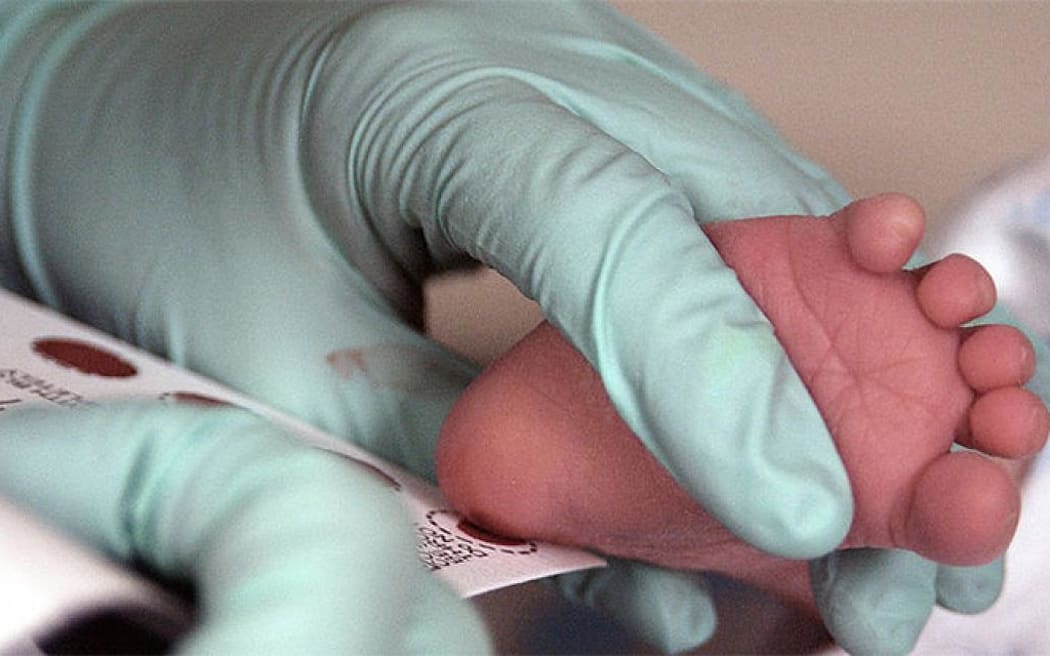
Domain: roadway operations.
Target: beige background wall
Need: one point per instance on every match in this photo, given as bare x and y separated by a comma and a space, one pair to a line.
921, 97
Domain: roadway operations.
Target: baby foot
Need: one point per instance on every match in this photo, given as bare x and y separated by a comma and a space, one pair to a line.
880, 351
534, 448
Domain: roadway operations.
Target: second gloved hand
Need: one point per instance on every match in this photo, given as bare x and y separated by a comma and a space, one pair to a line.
291, 550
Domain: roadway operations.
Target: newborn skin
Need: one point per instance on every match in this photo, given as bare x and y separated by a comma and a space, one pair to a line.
535, 449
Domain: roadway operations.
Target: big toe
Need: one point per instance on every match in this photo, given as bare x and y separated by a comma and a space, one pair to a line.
963, 511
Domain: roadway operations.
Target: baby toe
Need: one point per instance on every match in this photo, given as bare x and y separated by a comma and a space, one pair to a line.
996, 356
955, 290
1009, 422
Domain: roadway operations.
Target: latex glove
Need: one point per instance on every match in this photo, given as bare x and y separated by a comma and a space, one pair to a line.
257, 192
230, 184
292, 550
879, 600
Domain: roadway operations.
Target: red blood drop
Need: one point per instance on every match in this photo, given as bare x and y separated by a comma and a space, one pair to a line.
85, 358
475, 531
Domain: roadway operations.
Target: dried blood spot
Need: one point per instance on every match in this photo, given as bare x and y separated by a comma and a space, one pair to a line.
84, 357
475, 531
193, 398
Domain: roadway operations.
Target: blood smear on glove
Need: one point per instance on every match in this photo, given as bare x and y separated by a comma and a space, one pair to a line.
399, 367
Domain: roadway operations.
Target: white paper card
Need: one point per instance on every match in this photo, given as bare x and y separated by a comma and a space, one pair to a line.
46, 358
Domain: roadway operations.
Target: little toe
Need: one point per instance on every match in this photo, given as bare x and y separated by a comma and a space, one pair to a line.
883, 231
955, 290
964, 511
1009, 422
996, 356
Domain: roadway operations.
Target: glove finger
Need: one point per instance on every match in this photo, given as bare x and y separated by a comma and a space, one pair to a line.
727, 158
672, 611
416, 145
611, 252
874, 601
602, 67
970, 590
442, 623
291, 550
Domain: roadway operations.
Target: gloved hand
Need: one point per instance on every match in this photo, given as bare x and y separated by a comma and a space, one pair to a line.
257, 192
292, 550
878, 600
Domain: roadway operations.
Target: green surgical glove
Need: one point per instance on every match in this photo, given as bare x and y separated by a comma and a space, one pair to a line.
257, 191
877, 601
230, 184
292, 550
